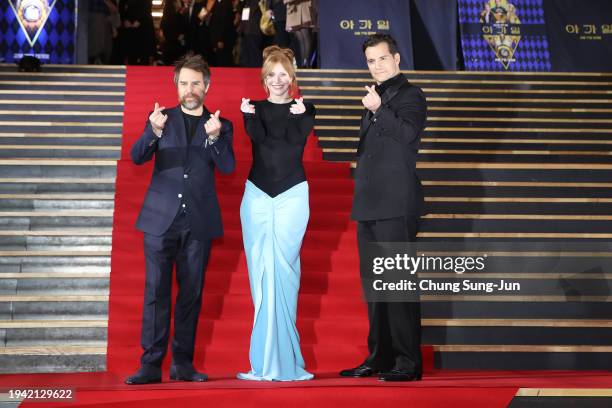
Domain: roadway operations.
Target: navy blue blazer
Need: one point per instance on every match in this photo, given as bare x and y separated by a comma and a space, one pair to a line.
183, 175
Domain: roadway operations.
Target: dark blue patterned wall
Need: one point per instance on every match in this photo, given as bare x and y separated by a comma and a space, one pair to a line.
55, 42
532, 50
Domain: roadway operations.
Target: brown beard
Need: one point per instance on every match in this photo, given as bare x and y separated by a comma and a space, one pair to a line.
196, 98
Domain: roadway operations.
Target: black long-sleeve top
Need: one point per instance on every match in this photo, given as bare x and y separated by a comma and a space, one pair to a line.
278, 138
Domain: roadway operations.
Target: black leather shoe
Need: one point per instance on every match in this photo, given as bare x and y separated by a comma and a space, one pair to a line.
399, 375
182, 373
144, 376
358, 372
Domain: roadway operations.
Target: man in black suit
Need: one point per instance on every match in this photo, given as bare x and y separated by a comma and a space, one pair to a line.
387, 203
180, 216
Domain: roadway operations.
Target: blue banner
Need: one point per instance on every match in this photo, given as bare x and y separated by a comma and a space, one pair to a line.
345, 24
434, 34
501, 35
580, 34
45, 29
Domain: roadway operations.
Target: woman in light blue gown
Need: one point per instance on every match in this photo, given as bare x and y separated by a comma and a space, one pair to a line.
274, 214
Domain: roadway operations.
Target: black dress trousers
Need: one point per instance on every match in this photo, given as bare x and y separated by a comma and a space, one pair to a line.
177, 246
394, 339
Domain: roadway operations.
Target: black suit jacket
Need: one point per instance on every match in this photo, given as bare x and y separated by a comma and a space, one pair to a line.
386, 183
183, 174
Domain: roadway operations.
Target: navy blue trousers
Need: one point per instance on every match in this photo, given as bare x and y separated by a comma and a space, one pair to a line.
176, 247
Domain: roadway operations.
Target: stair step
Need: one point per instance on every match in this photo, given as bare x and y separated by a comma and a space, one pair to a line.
51, 243
523, 357
79, 152
58, 168
74, 116
56, 253
59, 202
66, 187
545, 208
76, 97
57, 219
73, 71
94, 232
552, 311
34, 105
561, 335
56, 263
585, 226
10, 400
54, 286
61, 127
62, 141
42, 359
44, 307
53, 336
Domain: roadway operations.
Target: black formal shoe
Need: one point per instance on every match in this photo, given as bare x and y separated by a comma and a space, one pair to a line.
358, 372
399, 375
182, 373
144, 376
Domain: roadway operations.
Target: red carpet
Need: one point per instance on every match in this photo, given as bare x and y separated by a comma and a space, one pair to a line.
438, 389
332, 317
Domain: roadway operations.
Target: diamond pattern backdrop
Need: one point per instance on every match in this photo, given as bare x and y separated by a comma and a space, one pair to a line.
56, 43
532, 52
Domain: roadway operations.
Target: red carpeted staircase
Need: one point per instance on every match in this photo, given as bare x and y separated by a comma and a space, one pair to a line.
331, 319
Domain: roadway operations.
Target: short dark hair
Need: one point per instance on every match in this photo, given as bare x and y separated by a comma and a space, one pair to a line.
378, 38
194, 62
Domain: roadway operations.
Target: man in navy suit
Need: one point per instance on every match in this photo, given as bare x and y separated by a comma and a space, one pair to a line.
180, 216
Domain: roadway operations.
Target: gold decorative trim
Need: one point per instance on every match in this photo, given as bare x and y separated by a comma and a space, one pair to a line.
59, 147
538, 235
59, 113
58, 83
50, 350
564, 392
518, 217
57, 162
527, 348
65, 213
89, 232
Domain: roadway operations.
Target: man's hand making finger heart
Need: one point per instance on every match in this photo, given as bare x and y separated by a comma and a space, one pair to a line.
158, 119
213, 126
372, 100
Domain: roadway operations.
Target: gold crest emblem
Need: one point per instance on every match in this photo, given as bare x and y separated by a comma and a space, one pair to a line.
32, 16
501, 29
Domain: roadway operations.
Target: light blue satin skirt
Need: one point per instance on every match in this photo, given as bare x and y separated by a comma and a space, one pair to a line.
272, 231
